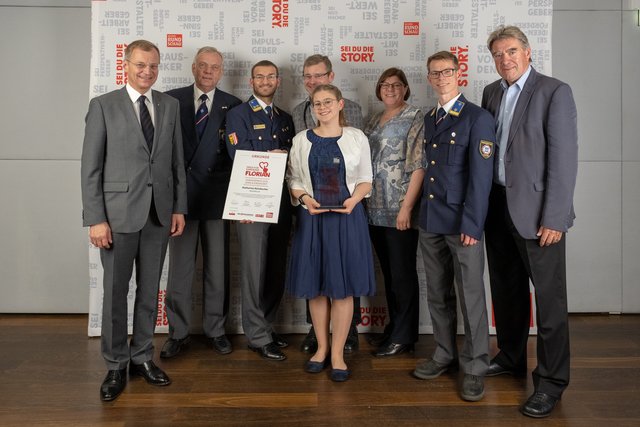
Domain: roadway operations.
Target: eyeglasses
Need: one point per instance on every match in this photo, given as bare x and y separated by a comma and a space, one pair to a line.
392, 86
203, 66
447, 72
510, 53
261, 77
307, 77
141, 66
326, 103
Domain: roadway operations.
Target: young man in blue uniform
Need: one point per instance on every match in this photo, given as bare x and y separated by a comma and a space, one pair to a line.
258, 125
203, 108
459, 145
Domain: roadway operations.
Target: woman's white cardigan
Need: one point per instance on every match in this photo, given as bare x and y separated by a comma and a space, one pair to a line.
354, 146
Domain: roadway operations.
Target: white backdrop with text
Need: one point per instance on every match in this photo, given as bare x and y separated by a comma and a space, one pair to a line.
362, 39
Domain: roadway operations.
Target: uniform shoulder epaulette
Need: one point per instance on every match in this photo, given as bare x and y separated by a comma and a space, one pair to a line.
255, 105
457, 108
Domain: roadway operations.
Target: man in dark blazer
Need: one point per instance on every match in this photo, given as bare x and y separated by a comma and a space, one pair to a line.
258, 125
203, 109
530, 210
459, 148
133, 197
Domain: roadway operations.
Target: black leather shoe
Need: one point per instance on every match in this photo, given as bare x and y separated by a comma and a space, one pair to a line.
279, 340
310, 342
222, 344
539, 405
352, 344
151, 373
340, 375
392, 349
270, 352
113, 384
172, 347
496, 369
378, 340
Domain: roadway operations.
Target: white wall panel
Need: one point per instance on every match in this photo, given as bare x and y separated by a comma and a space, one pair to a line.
631, 89
45, 75
586, 5
43, 255
631, 237
586, 54
594, 258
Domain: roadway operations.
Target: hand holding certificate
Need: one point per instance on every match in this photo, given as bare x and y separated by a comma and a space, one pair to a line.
255, 188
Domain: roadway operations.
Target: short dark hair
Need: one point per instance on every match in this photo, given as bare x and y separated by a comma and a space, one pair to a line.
390, 72
143, 45
317, 59
443, 55
264, 63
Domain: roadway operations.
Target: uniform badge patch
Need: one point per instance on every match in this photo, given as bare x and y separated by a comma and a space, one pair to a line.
233, 138
486, 148
260, 126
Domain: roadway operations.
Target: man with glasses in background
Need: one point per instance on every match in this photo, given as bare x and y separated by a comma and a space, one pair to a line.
530, 210
258, 125
459, 148
203, 109
317, 70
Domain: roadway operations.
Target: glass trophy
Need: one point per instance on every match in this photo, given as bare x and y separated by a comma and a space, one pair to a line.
327, 189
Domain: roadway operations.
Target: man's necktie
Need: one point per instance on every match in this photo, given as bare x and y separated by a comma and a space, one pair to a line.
145, 122
202, 116
269, 111
440, 115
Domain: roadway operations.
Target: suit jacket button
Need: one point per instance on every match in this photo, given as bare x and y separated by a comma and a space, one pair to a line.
432, 179
435, 145
433, 162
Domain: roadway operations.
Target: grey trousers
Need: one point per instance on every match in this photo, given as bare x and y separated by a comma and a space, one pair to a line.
453, 269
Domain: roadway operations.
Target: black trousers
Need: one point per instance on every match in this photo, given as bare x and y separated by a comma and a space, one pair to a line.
513, 260
396, 251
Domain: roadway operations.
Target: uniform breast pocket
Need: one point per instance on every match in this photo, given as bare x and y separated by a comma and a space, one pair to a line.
457, 153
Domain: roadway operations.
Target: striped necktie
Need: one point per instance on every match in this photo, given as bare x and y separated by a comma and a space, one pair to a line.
202, 116
145, 122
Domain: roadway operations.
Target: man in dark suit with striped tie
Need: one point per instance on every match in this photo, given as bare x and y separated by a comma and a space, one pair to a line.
203, 109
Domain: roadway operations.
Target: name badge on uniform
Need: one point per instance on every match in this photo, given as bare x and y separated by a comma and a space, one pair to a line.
259, 126
486, 148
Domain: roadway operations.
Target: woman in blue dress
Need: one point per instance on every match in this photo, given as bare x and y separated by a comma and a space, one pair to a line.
329, 174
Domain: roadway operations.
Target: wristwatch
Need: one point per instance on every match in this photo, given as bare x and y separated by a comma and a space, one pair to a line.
301, 197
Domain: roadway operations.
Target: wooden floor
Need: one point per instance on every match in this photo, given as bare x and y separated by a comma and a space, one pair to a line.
51, 374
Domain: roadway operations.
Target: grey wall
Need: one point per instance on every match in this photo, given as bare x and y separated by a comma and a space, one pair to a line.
45, 46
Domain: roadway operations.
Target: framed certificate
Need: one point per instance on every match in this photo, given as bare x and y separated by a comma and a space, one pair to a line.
255, 188
326, 189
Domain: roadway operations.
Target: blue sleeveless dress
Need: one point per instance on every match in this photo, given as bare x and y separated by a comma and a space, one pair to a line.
331, 252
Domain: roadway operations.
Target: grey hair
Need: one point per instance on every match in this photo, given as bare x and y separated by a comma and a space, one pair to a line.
511, 31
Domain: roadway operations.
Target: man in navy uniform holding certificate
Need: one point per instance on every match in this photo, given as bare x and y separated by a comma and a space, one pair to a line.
258, 125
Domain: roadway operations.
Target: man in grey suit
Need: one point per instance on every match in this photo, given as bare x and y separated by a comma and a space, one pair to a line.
318, 70
530, 210
134, 198
203, 110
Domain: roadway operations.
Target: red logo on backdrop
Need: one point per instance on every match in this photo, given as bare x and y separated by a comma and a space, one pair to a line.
121, 77
462, 52
411, 28
279, 13
174, 40
356, 54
